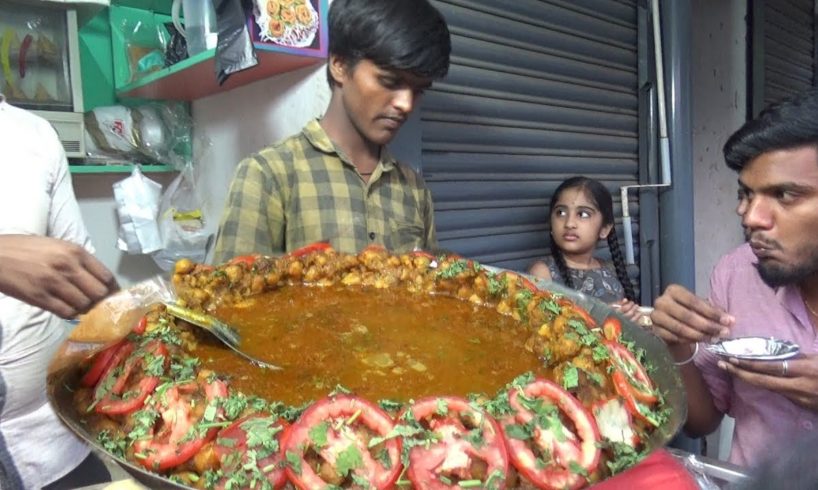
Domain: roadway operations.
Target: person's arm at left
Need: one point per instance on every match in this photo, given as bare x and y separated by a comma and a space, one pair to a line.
52, 274
56, 272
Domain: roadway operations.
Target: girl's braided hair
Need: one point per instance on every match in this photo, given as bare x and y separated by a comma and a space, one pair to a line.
603, 200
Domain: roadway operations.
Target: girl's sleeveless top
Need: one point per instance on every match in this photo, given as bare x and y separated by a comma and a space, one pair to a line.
601, 283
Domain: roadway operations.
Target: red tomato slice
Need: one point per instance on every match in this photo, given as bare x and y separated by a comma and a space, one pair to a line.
311, 248
528, 284
545, 450
637, 378
106, 380
612, 328
569, 308
119, 401
634, 406
101, 362
140, 327
232, 445
469, 446
247, 260
336, 431
174, 440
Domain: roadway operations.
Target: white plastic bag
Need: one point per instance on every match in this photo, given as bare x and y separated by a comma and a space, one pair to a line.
137, 205
182, 222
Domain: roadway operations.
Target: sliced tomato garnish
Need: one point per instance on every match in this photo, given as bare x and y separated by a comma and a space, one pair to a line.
612, 328
100, 365
637, 378
109, 374
569, 308
247, 260
119, 401
527, 284
311, 248
332, 443
260, 434
375, 248
422, 253
459, 444
638, 409
141, 326
551, 438
615, 422
180, 432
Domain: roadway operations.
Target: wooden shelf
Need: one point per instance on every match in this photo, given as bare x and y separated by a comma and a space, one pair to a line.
116, 169
194, 78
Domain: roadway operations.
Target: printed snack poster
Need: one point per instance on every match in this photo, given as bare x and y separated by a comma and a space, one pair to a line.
287, 23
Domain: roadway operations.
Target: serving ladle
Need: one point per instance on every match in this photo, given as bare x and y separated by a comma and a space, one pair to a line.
222, 331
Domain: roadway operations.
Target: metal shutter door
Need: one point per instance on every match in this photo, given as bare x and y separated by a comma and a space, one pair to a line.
783, 49
537, 91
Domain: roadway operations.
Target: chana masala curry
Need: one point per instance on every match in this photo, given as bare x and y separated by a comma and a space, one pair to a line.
399, 371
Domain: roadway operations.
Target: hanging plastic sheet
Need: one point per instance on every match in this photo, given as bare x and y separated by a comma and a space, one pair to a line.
235, 51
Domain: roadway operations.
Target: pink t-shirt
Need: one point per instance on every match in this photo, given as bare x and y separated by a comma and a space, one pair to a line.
765, 421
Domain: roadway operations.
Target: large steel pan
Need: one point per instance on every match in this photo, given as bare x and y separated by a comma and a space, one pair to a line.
64, 374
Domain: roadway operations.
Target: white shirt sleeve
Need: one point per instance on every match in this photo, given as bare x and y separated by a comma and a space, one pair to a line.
64, 217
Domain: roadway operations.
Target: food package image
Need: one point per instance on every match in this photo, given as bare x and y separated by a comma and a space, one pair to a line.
292, 23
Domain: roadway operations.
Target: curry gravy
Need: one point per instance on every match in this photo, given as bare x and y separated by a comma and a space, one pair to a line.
379, 343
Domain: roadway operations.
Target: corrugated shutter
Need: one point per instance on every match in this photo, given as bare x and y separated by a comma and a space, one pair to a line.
537, 91
784, 49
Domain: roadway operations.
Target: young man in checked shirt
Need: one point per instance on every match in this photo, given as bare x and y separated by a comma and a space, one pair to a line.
336, 181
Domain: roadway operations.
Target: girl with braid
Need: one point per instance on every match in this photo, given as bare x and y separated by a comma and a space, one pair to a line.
581, 215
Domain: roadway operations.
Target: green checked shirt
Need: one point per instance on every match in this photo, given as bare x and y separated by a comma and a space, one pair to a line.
304, 190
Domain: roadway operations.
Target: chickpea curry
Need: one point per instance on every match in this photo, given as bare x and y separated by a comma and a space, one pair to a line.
400, 371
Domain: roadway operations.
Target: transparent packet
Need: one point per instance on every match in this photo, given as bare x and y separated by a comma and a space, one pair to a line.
110, 321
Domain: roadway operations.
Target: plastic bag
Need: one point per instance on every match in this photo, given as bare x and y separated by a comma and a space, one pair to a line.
137, 204
182, 222
153, 133
235, 51
177, 46
145, 44
111, 320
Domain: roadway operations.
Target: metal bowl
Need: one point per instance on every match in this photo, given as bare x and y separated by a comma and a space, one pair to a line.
755, 348
64, 374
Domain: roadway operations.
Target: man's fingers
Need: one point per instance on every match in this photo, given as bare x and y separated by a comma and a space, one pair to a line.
693, 304
56, 306
681, 330
774, 381
90, 286
68, 293
687, 315
101, 273
792, 368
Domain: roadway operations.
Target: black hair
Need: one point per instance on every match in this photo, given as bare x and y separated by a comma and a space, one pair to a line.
785, 125
603, 200
408, 35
